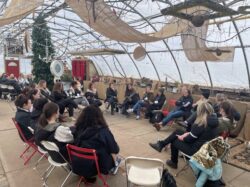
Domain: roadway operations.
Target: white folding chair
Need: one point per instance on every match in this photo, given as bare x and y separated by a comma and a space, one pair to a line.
144, 171
50, 146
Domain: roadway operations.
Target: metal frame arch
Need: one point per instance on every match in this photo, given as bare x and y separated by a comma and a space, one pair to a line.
172, 55
99, 41
242, 47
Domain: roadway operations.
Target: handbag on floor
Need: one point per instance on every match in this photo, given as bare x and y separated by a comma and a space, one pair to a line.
168, 179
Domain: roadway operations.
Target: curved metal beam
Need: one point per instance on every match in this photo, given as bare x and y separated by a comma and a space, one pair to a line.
97, 38
172, 55
242, 47
209, 75
131, 59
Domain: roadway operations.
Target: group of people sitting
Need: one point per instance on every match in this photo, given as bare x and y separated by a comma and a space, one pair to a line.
90, 130
202, 121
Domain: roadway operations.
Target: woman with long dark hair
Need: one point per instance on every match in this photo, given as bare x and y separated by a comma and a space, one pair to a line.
60, 98
92, 132
49, 130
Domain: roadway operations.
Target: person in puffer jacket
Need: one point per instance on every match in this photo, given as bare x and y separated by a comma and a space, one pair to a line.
204, 129
49, 130
182, 109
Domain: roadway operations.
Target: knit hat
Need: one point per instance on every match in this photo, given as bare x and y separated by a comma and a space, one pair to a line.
205, 93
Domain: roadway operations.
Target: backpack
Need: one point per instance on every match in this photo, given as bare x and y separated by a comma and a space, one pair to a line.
156, 117
168, 179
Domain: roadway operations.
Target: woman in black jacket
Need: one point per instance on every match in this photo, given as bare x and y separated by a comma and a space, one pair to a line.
204, 130
183, 108
92, 95
111, 97
131, 98
49, 130
61, 98
22, 117
157, 104
92, 132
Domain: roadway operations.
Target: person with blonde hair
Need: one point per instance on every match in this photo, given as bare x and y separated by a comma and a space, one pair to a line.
203, 130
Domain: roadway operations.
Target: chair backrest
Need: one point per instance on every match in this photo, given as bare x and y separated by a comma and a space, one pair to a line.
83, 153
50, 146
146, 163
171, 104
20, 131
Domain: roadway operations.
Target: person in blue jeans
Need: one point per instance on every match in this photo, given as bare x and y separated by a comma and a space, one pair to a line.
147, 99
183, 107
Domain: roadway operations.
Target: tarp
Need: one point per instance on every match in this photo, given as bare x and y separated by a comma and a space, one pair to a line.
194, 43
99, 16
18, 9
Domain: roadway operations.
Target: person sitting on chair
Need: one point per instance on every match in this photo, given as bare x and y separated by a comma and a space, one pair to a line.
37, 111
229, 116
60, 98
77, 94
33, 94
22, 117
190, 120
92, 95
49, 130
111, 97
42, 86
131, 98
204, 129
183, 108
157, 103
144, 102
92, 132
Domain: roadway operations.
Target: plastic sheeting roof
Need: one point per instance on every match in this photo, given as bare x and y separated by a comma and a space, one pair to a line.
164, 58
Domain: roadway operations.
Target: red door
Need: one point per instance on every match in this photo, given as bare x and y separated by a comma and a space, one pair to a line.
78, 68
12, 66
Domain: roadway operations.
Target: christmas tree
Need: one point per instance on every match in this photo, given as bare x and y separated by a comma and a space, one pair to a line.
42, 47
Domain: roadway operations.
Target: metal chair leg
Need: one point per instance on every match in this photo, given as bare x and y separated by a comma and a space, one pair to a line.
46, 177
39, 161
65, 180
46, 171
28, 159
182, 169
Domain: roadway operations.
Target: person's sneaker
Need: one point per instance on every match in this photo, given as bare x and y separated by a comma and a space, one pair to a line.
117, 165
137, 117
171, 164
182, 123
130, 110
157, 146
157, 126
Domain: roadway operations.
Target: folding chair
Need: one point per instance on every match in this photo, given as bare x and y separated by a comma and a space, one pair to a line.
52, 147
85, 154
185, 167
144, 171
29, 143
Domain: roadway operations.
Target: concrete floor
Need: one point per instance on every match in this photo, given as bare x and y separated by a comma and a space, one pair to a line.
132, 136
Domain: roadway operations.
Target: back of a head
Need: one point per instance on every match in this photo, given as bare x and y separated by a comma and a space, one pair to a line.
228, 108
21, 100
49, 110
39, 103
203, 111
90, 116
57, 87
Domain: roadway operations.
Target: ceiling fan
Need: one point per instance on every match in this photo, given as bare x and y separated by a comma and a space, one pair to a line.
218, 51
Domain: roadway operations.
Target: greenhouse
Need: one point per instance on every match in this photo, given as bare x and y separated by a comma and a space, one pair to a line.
125, 93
